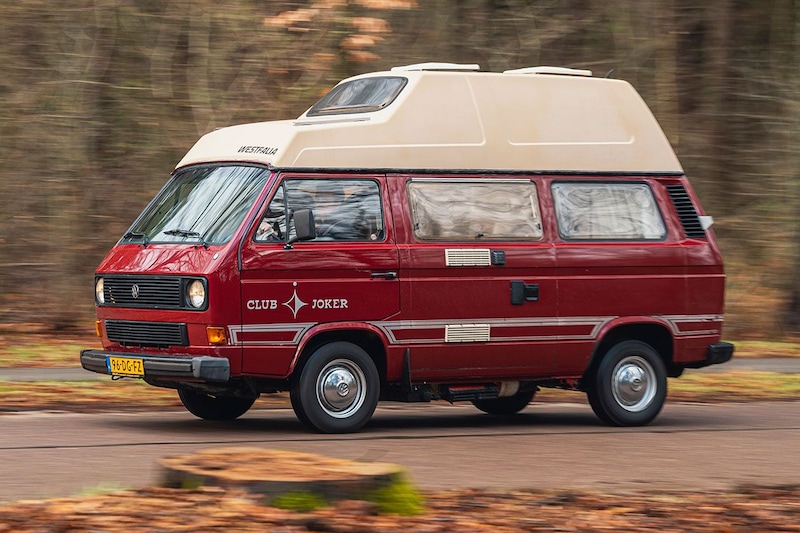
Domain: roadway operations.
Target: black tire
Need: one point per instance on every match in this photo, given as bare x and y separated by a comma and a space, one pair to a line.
209, 407
297, 406
338, 389
630, 385
507, 405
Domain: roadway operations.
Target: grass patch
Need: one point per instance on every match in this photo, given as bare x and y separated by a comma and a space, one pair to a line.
83, 395
41, 356
95, 396
129, 394
766, 349
102, 490
41, 351
301, 501
735, 386
400, 497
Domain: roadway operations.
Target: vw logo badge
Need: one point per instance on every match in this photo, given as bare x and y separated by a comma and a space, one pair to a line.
135, 291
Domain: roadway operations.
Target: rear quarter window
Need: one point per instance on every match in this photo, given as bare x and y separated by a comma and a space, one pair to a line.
607, 211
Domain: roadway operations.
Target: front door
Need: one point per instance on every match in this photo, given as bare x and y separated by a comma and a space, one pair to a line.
349, 273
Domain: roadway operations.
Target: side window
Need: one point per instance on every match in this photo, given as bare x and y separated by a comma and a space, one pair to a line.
344, 209
272, 227
471, 210
607, 211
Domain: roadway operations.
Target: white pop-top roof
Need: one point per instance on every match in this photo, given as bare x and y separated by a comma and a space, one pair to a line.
452, 117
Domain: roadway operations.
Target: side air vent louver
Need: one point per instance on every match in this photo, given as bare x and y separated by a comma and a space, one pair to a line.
686, 212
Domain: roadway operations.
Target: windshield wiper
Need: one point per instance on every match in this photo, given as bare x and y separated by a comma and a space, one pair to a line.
137, 235
187, 233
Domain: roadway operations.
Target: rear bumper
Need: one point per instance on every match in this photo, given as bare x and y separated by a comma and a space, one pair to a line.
717, 353
217, 369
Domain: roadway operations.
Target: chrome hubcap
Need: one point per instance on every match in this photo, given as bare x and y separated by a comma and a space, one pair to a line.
341, 388
633, 383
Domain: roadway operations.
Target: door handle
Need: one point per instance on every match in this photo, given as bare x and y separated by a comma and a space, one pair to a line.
384, 275
522, 292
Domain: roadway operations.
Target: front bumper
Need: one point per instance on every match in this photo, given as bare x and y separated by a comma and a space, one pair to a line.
205, 368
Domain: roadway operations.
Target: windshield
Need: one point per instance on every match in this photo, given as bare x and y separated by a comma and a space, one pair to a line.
200, 205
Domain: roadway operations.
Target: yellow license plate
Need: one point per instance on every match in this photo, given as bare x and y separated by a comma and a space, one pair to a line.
125, 366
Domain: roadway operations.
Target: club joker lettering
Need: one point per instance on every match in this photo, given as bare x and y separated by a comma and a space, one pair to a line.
316, 303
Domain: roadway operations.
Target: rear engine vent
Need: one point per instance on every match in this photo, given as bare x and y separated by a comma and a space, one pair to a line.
686, 212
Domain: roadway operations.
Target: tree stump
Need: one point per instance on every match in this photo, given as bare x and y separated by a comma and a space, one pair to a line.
276, 472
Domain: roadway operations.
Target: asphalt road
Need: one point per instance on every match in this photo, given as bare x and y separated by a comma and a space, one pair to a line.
554, 446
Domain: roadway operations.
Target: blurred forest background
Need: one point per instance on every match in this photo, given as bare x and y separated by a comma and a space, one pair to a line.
99, 99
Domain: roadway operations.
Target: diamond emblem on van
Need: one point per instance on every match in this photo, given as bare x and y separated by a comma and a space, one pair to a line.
135, 291
295, 303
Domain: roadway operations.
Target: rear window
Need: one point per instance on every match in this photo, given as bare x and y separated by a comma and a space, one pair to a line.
460, 210
359, 96
607, 211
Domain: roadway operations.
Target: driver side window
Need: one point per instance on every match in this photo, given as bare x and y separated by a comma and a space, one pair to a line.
344, 210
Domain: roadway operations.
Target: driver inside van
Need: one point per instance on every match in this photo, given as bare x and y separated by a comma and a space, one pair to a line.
325, 199
328, 200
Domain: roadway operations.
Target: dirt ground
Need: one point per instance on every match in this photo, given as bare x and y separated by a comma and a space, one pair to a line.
216, 509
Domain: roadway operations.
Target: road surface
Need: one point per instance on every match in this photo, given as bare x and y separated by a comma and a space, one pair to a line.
552, 446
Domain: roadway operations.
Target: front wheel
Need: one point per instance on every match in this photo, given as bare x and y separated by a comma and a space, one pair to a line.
209, 407
507, 405
337, 390
630, 385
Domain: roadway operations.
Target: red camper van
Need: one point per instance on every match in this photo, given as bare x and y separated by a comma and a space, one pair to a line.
429, 232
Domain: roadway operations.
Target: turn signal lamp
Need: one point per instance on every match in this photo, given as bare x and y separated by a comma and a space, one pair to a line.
98, 328
216, 335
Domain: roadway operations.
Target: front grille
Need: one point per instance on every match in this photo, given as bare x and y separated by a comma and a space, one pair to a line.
155, 334
686, 211
151, 292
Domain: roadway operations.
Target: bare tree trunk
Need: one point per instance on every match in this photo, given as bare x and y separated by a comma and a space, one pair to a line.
791, 319
719, 27
666, 51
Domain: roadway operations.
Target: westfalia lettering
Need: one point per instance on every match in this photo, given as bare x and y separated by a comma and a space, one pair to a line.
266, 150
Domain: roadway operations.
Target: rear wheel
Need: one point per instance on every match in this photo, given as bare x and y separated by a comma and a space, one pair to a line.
338, 389
630, 385
210, 407
507, 405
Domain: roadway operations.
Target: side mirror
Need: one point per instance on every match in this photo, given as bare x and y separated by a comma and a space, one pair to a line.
304, 227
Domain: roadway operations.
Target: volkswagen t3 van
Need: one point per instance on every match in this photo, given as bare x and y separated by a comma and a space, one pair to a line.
432, 232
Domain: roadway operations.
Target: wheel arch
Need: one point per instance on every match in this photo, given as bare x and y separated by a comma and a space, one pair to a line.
653, 332
365, 336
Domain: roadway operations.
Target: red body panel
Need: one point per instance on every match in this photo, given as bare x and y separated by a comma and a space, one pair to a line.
273, 301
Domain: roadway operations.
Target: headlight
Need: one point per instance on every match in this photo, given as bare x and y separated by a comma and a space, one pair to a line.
99, 295
196, 294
